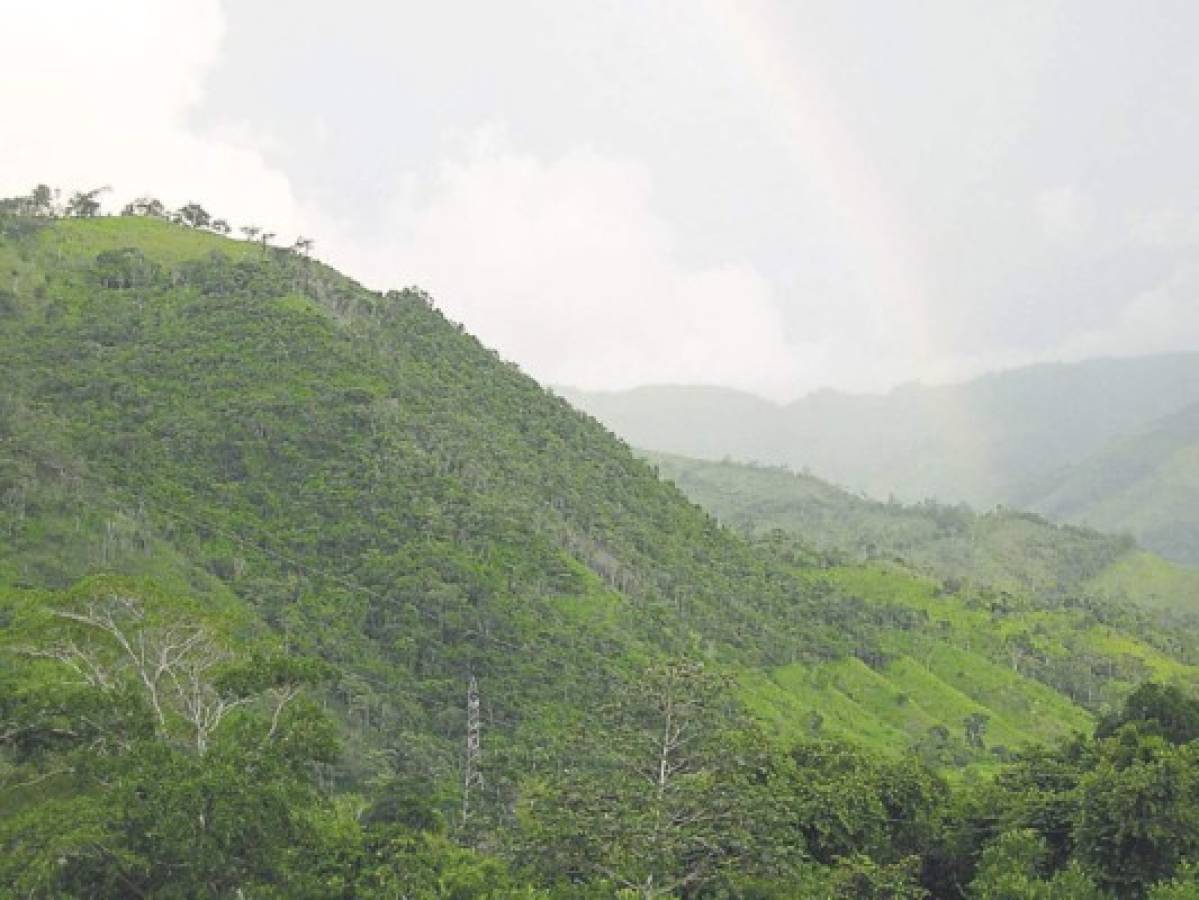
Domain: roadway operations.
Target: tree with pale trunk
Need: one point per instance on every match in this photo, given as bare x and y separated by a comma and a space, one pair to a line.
664, 809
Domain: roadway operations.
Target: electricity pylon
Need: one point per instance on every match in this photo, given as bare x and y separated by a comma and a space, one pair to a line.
473, 774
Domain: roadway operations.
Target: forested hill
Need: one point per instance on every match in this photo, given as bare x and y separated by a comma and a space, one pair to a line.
1006, 549
1146, 484
263, 527
372, 481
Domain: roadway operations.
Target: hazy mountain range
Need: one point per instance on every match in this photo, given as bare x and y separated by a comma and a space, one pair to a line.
1112, 443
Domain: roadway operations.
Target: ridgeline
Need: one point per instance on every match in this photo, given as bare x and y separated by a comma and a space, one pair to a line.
262, 526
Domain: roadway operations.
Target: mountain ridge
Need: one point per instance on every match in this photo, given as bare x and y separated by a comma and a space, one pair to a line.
1003, 438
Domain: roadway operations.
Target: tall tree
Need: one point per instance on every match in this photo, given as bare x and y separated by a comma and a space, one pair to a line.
1138, 816
163, 763
85, 204
656, 813
41, 201
145, 206
195, 216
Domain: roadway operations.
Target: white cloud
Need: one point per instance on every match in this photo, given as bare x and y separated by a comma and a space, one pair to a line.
1164, 319
95, 94
1065, 213
1166, 229
563, 265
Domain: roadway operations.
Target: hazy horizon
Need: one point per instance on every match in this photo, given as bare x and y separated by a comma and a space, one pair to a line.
884, 391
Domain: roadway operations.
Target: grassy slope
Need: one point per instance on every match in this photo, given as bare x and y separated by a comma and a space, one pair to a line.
1147, 486
984, 639
373, 484
1147, 578
960, 662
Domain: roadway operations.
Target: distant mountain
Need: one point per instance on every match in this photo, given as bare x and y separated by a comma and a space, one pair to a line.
706, 422
999, 439
1146, 485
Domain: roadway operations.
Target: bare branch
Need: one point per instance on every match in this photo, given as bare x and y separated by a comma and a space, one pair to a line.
283, 697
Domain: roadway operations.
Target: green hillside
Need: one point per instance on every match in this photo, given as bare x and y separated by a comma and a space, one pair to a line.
1146, 485
370, 480
1147, 579
262, 527
1002, 549
1006, 587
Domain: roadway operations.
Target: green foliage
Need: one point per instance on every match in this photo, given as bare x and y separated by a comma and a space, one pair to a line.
1012, 868
1163, 710
402, 863
108, 790
1184, 886
673, 801
259, 526
1003, 548
1138, 813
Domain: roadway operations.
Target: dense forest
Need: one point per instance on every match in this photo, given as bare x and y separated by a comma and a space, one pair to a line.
306, 593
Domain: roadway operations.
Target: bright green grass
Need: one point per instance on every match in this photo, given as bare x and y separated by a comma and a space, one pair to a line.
1150, 579
158, 240
951, 704
1163, 667
974, 630
785, 700
1010, 697
892, 708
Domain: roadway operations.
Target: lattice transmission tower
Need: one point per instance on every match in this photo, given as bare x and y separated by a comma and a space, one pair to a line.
473, 772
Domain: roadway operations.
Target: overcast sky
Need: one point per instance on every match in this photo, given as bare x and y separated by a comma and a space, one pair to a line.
774, 196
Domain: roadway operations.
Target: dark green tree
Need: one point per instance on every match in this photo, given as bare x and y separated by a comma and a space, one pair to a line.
194, 215
1164, 710
145, 206
85, 204
974, 727
1138, 816
41, 201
